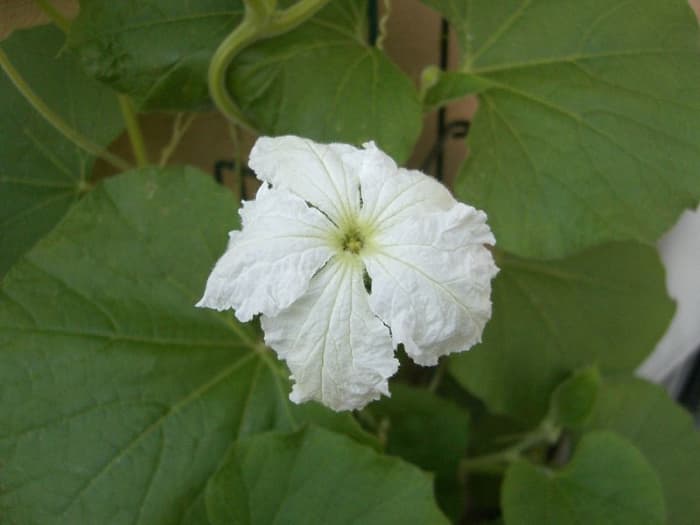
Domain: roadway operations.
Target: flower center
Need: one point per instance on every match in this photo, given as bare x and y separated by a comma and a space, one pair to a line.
353, 240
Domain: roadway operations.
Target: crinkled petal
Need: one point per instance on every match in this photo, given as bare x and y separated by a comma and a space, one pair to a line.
268, 265
315, 172
391, 194
431, 281
339, 353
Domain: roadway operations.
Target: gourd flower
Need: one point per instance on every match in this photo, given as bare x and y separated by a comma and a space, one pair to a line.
346, 256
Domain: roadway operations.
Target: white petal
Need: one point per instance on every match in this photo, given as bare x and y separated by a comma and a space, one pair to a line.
315, 172
268, 265
339, 353
431, 281
391, 194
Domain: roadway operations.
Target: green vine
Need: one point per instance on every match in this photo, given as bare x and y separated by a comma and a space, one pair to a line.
261, 20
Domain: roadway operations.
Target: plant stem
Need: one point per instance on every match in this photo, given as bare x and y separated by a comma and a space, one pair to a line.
55, 120
133, 129
383, 30
238, 164
438, 375
545, 433
259, 22
54, 14
180, 127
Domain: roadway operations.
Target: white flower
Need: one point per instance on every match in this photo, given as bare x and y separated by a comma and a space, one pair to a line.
346, 256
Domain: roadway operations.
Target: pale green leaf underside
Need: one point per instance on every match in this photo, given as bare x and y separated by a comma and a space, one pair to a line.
157, 51
588, 131
666, 435
118, 398
314, 476
41, 172
608, 481
607, 305
323, 81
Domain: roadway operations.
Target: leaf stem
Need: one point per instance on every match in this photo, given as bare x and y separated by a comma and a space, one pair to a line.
180, 127
383, 22
496, 462
54, 14
261, 20
55, 120
133, 130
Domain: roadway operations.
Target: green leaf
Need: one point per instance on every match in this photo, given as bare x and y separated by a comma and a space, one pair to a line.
314, 476
430, 432
605, 306
607, 481
157, 51
117, 396
41, 172
588, 131
664, 432
573, 401
323, 81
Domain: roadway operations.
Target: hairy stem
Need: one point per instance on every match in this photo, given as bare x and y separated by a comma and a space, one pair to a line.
54, 14
133, 130
55, 120
260, 21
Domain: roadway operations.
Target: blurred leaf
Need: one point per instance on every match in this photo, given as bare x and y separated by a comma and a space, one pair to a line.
430, 432
588, 129
157, 51
323, 81
605, 306
41, 172
664, 432
117, 396
314, 476
607, 481
573, 401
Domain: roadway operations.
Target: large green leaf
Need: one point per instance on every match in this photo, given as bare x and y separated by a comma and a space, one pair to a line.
589, 118
158, 51
607, 305
323, 81
118, 398
314, 476
607, 482
430, 432
664, 433
41, 172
